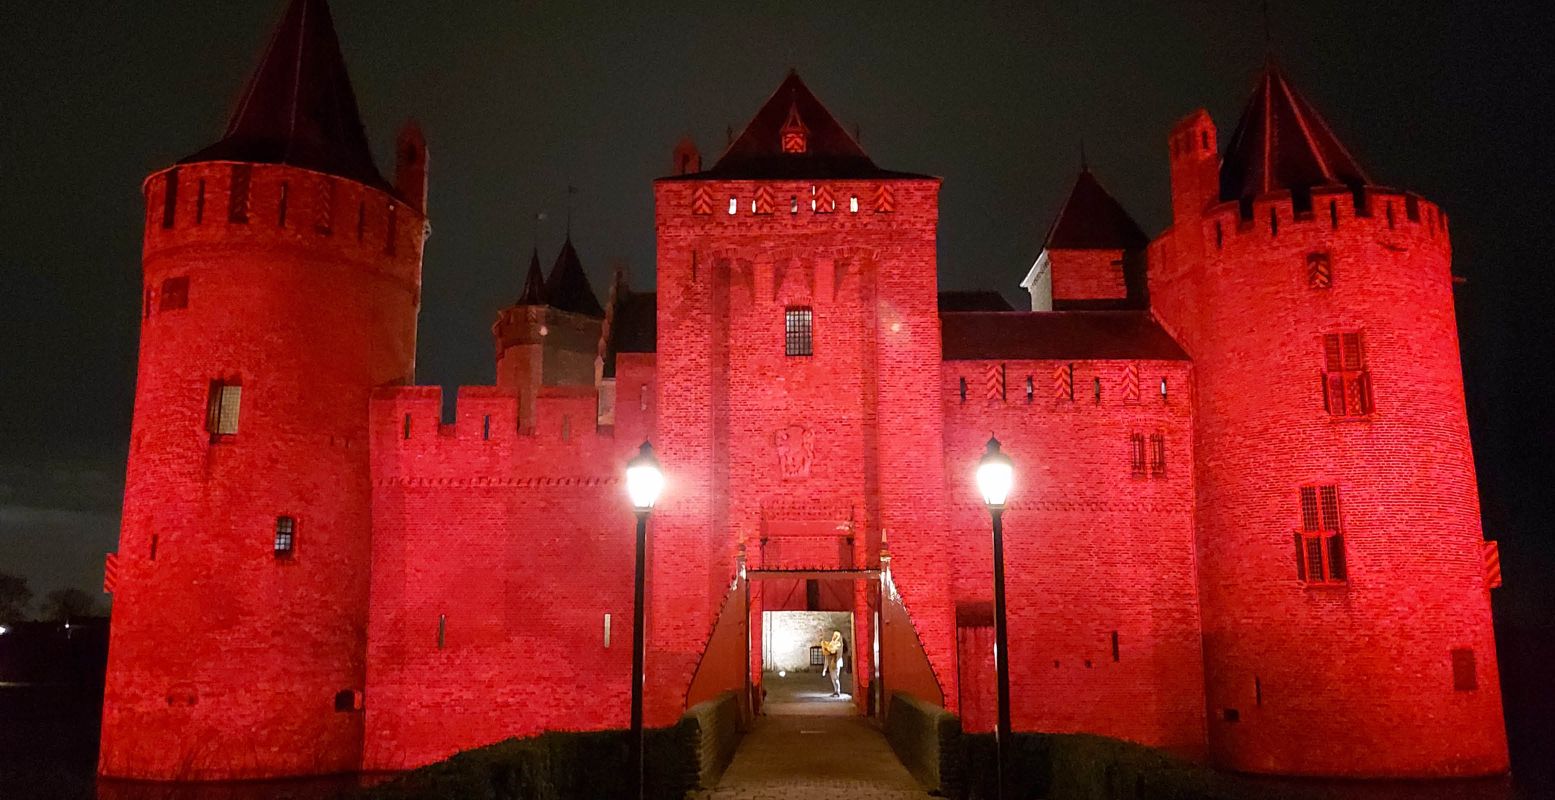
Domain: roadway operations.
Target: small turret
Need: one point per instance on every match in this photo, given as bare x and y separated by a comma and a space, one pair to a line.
1195, 166
688, 159
1093, 257
550, 337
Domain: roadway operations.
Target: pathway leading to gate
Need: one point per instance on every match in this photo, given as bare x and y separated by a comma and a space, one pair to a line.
816, 754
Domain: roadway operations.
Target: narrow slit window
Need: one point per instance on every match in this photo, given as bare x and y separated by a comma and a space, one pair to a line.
237, 195
486, 427
170, 199
285, 537
221, 420
797, 332
199, 203
280, 211
405, 431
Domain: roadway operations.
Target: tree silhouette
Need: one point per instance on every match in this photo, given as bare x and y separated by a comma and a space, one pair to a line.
14, 597
63, 605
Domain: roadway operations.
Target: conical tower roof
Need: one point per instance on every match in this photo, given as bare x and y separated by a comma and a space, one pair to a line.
1092, 219
534, 283
828, 152
568, 286
1282, 143
299, 107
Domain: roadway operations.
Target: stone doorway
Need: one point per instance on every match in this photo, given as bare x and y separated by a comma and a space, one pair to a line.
792, 663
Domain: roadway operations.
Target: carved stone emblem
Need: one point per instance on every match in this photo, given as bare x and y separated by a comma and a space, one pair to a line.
795, 450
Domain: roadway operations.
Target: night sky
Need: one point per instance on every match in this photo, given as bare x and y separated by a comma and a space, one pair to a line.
520, 100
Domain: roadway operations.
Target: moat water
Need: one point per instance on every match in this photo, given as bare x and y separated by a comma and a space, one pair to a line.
48, 750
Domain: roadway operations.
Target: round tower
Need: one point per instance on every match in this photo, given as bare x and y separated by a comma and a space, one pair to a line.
281, 282
1346, 612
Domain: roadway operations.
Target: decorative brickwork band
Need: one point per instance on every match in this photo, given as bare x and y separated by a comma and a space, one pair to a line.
702, 201
1063, 382
111, 573
1131, 382
995, 382
885, 200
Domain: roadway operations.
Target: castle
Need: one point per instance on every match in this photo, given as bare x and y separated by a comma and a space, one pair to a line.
1245, 526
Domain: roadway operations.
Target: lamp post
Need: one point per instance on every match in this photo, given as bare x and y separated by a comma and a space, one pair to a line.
995, 476
644, 481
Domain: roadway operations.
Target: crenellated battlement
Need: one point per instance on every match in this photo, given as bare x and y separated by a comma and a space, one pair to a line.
226, 203
1395, 217
487, 435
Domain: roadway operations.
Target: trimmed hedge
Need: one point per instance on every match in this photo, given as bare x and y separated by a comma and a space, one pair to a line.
1087, 767
557, 766
563, 766
927, 740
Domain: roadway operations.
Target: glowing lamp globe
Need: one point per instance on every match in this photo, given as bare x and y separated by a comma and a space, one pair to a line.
995, 475
644, 479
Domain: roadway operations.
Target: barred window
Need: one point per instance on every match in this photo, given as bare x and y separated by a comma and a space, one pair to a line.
221, 416
285, 536
1346, 380
1158, 455
1136, 444
797, 332
1319, 543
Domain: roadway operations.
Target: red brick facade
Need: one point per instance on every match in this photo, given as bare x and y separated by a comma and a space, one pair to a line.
444, 586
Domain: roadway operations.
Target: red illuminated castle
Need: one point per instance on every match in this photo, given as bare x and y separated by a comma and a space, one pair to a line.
1245, 527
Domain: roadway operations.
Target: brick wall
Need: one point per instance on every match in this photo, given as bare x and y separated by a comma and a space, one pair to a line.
1092, 550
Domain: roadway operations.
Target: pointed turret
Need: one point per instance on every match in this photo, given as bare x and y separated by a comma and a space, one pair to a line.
1092, 219
1093, 256
567, 288
299, 107
1282, 143
794, 136
534, 283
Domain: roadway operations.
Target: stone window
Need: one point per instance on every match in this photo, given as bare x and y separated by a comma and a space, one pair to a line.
1319, 543
348, 700
285, 536
221, 413
797, 332
1346, 380
1464, 678
175, 294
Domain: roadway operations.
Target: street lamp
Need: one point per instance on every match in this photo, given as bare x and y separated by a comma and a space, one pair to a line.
995, 476
644, 481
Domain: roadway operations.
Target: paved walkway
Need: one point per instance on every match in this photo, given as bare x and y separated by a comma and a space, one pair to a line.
824, 751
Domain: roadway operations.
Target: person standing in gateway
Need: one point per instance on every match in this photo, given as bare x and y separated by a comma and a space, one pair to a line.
833, 648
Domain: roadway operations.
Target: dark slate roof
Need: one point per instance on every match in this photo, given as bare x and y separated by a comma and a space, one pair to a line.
1281, 142
534, 283
1092, 219
299, 108
1056, 335
633, 327
757, 153
975, 300
568, 287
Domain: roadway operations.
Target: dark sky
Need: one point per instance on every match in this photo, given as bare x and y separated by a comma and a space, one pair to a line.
521, 99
